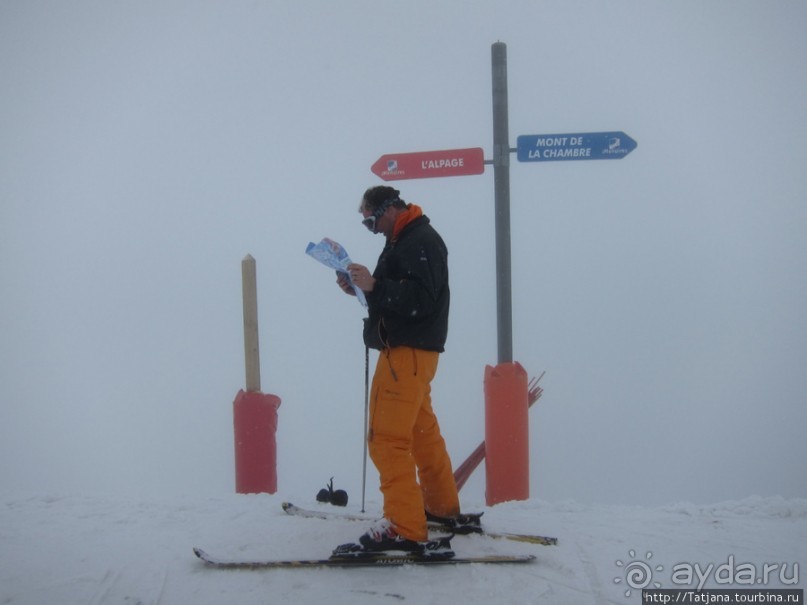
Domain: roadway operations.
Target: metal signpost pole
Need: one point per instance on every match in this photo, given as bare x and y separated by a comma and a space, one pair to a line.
501, 178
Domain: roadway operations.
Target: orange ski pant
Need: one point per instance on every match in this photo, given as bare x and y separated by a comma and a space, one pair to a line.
405, 443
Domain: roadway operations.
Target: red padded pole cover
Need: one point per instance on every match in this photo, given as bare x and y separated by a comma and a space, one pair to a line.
507, 461
255, 424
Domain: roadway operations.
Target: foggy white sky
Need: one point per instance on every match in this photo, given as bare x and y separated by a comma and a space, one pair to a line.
146, 148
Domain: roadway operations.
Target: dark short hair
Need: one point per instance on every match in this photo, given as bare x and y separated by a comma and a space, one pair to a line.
375, 196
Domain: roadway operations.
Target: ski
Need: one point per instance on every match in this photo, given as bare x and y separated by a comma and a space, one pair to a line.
363, 560
296, 511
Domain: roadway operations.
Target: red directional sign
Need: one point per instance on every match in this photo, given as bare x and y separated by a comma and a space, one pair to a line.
426, 164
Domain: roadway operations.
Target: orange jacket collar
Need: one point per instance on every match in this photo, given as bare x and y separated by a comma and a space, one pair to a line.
411, 213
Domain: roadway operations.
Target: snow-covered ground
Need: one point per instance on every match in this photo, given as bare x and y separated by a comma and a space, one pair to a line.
72, 549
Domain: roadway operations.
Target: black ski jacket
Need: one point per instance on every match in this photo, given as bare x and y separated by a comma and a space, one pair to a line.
409, 304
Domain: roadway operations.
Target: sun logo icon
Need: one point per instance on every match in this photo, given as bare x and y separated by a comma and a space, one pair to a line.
638, 573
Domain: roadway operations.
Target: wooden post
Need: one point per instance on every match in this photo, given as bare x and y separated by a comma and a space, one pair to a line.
254, 413
252, 358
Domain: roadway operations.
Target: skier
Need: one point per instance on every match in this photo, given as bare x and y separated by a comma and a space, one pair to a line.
408, 300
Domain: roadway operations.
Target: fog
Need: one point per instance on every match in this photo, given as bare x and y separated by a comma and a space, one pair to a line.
146, 148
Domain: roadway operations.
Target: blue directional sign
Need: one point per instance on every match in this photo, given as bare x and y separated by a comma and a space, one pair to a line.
578, 146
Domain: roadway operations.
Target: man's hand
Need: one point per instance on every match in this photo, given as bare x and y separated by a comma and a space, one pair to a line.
361, 276
343, 282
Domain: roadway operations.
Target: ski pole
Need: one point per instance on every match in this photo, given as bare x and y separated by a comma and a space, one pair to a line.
366, 421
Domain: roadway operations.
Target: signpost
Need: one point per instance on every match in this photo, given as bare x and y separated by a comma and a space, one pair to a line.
426, 164
578, 146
